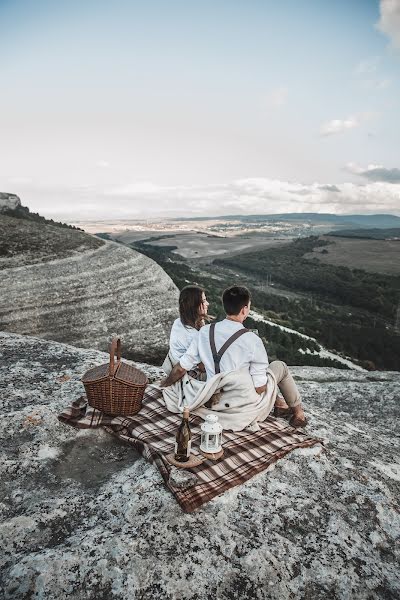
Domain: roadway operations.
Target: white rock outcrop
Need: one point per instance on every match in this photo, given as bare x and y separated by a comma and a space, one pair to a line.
9, 201
86, 298
83, 516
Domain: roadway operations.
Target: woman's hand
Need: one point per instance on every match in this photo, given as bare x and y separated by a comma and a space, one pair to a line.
261, 389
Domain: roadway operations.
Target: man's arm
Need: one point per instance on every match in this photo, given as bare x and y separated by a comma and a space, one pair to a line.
258, 366
176, 374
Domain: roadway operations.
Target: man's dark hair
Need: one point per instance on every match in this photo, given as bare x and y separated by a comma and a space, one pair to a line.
235, 298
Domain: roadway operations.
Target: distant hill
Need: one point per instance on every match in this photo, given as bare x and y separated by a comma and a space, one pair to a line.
368, 234
357, 221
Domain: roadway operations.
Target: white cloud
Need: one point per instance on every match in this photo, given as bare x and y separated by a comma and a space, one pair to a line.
243, 196
103, 164
357, 170
368, 66
368, 75
338, 126
389, 22
375, 173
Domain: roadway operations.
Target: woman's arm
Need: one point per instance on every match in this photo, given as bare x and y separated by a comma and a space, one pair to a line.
176, 374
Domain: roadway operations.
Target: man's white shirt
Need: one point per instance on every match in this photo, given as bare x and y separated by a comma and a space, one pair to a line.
246, 351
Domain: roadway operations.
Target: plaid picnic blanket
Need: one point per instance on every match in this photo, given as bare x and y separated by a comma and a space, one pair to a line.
152, 432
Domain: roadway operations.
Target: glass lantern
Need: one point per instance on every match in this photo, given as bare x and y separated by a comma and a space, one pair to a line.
211, 433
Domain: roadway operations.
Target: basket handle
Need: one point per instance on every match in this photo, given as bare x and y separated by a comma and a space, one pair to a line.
114, 346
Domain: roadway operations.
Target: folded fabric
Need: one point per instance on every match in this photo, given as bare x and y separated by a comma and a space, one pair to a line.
233, 398
152, 432
230, 395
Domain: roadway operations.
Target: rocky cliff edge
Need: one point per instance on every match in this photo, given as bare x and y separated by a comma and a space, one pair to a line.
67, 286
83, 516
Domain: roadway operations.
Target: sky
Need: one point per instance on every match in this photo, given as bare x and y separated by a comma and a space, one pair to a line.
131, 109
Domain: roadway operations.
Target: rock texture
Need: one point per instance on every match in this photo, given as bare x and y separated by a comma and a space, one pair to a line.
82, 290
26, 242
84, 517
9, 201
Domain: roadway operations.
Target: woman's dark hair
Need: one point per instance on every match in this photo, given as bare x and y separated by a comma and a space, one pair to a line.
235, 298
190, 300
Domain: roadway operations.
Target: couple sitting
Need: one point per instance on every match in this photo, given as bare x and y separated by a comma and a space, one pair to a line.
240, 383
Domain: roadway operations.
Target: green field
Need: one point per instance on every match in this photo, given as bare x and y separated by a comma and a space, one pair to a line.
347, 331
369, 254
353, 311
350, 312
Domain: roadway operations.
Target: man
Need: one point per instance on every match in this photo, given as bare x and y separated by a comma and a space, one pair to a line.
227, 346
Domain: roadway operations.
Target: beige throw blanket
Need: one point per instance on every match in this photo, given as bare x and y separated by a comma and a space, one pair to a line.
235, 401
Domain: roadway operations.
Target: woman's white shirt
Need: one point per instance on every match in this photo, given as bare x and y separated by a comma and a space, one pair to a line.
180, 339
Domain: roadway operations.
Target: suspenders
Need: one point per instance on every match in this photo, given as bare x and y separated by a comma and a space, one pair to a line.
218, 355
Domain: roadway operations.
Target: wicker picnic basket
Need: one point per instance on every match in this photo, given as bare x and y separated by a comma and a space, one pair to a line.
115, 388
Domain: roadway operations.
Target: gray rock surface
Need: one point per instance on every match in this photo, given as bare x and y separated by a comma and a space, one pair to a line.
87, 297
27, 242
182, 479
84, 517
9, 201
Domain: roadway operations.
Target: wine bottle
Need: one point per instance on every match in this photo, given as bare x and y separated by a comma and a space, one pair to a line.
183, 438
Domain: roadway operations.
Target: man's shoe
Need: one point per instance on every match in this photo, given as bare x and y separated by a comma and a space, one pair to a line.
282, 412
297, 422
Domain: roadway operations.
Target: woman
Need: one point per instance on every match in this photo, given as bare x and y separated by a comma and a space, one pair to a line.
193, 307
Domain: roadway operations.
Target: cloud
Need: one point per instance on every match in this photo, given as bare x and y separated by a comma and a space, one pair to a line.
144, 200
277, 97
342, 125
268, 196
338, 126
368, 76
376, 173
389, 22
301, 192
329, 188
368, 66
376, 84
357, 170
103, 164
381, 174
